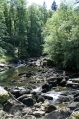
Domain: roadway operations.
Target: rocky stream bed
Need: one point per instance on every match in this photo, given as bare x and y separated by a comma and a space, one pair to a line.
32, 95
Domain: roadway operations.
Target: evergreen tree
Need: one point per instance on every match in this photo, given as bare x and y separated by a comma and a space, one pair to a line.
4, 44
54, 6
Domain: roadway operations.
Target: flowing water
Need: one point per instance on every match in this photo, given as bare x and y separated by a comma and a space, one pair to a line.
6, 78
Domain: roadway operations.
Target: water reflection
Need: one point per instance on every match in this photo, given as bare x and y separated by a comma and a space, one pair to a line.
13, 74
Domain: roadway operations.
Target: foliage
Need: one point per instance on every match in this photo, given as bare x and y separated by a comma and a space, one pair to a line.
32, 28
61, 37
21, 27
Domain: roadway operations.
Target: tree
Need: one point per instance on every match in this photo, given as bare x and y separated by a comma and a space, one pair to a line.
54, 6
4, 45
15, 18
21, 28
34, 25
61, 37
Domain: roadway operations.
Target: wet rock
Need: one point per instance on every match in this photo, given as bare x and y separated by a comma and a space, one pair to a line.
45, 86
25, 91
28, 101
47, 96
50, 108
44, 90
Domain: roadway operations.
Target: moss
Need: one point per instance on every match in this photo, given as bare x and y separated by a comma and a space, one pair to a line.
75, 115
4, 98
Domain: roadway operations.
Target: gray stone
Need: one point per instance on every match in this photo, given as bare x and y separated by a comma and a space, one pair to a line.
50, 108
38, 113
58, 114
73, 105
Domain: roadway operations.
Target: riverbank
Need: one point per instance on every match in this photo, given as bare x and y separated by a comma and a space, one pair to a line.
4, 59
55, 97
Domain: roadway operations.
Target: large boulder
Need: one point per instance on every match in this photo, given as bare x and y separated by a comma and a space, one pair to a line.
50, 108
58, 114
28, 101
4, 96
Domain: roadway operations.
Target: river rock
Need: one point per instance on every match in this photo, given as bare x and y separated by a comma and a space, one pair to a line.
24, 96
38, 113
24, 91
53, 83
38, 105
50, 108
28, 101
4, 96
62, 99
47, 96
16, 109
15, 92
40, 99
58, 114
27, 110
8, 105
45, 86
63, 83
73, 105
76, 99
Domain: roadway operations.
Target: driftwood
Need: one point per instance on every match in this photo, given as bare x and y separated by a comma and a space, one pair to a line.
16, 99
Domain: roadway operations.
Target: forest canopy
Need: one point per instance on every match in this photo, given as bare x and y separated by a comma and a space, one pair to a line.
30, 31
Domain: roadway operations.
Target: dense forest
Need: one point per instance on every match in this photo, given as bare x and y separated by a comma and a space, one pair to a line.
30, 31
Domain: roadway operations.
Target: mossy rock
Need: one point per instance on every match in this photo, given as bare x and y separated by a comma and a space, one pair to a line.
75, 115
4, 96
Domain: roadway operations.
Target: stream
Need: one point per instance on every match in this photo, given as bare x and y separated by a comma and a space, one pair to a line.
29, 85
11, 78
